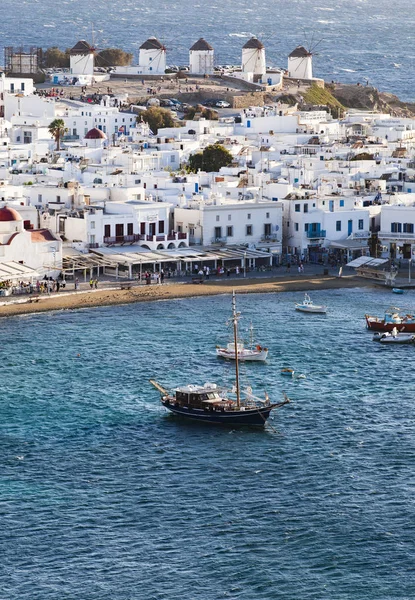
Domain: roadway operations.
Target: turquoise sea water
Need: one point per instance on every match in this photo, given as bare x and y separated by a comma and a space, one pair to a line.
105, 496
359, 39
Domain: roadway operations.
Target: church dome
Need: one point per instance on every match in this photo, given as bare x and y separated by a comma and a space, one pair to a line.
95, 134
8, 214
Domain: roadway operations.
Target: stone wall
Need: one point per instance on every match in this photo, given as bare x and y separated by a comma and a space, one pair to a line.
247, 99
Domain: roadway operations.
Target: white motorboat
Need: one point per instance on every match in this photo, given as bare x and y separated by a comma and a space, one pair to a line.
308, 306
254, 352
394, 337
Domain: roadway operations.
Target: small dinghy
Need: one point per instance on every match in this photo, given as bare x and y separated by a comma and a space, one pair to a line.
287, 372
398, 290
394, 337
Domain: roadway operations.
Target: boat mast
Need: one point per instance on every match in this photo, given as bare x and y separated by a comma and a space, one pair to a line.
235, 317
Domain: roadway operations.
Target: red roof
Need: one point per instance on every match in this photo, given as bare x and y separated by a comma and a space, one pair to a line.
9, 214
42, 235
95, 134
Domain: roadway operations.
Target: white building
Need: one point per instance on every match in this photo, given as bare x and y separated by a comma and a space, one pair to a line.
38, 249
397, 231
13, 85
312, 225
300, 64
152, 57
109, 223
230, 222
253, 59
201, 57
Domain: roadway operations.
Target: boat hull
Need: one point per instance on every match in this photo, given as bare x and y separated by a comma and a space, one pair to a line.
246, 355
316, 310
256, 416
376, 324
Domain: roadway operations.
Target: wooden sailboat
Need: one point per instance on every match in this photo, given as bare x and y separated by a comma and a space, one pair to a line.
210, 403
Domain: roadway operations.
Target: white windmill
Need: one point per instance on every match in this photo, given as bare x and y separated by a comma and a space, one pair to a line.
152, 57
253, 58
300, 61
201, 57
81, 62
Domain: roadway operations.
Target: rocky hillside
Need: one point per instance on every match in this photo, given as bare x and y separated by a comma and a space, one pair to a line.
338, 96
369, 98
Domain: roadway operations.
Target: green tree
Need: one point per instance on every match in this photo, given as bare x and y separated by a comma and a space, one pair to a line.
113, 57
55, 58
212, 159
157, 118
57, 130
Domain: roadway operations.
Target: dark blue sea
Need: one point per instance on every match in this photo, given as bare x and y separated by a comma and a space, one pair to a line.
104, 496
356, 40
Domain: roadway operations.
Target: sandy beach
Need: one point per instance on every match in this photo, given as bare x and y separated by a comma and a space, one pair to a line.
144, 293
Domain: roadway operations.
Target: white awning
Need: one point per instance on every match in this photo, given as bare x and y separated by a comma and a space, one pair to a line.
367, 261
15, 271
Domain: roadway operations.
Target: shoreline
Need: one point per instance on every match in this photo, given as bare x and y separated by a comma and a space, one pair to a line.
175, 291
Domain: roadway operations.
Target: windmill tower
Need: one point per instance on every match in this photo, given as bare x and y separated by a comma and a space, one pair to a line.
152, 57
201, 58
81, 62
300, 63
253, 58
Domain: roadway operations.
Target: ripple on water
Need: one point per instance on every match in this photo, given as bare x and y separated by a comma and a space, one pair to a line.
105, 496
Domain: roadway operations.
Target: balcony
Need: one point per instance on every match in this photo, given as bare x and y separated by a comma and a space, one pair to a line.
219, 241
124, 239
359, 235
270, 238
388, 235
316, 235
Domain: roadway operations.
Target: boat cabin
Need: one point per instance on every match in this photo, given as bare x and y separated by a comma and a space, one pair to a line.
198, 396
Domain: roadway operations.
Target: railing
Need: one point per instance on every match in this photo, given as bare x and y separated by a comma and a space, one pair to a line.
93, 245
219, 240
315, 235
359, 235
388, 235
121, 239
138, 237
269, 238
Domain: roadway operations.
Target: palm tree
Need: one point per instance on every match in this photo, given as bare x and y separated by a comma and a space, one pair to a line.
57, 130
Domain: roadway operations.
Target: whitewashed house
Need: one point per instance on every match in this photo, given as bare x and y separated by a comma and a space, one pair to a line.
230, 222
397, 231
146, 224
311, 225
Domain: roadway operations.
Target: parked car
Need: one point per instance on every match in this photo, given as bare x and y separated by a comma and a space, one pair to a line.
210, 102
222, 104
